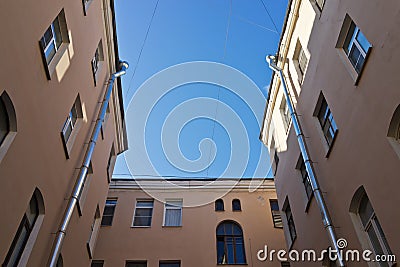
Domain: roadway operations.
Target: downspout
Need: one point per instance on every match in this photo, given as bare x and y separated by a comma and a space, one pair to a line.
327, 221
84, 168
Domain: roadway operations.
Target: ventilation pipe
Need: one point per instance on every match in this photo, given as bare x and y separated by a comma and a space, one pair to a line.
84, 168
271, 60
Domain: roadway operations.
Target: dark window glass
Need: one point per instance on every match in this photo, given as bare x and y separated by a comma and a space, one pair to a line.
22, 235
97, 263
305, 178
219, 205
170, 264
136, 264
143, 213
290, 221
108, 213
327, 122
236, 205
230, 245
276, 214
4, 122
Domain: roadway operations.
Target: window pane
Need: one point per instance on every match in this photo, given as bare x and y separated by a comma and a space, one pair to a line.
229, 249
221, 259
354, 55
32, 211
136, 264
365, 210
236, 230
144, 204
4, 122
106, 220
170, 264
172, 217
50, 52
349, 38
144, 212
240, 257
236, 205
97, 263
57, 32
274, 204
375, 241
365, 45
142, 221
219, 205
18, 247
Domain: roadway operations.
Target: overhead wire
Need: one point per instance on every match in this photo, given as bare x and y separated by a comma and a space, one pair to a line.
141, 49
219, 88
269, 15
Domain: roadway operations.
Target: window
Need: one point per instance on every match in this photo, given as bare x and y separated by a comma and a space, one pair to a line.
94, 230
290, 223
373, 229
110, 163
394, 131
97, 263
4, 122
173, 213
108, 213
285, 264
320, 4
276, 214
356, 47
85, 189
136, 264
170, 264
27, 231
98, 57
52, 40
70, 128
276, 161
236, 205
301, 166
60, 262
143, 213
285, 113
230, 244
219, 205
86, 4
325, 118
8, 123
301, 61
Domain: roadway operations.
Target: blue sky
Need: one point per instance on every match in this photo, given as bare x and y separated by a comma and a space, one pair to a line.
187, 31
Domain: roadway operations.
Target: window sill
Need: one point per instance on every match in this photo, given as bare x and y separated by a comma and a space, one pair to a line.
172, 226
140, 226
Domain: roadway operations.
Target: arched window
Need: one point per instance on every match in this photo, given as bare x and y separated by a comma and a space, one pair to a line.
236, 205
219, 205
31, 220
371, 234
8, 124
394, 131
230, 243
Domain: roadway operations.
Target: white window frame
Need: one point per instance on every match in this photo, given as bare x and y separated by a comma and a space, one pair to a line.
137, 207
173, 207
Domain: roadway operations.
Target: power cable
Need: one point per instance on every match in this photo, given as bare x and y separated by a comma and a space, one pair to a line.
269, 15
141, 49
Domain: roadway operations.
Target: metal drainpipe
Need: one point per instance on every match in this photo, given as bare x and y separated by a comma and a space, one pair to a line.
310, 171
84, 168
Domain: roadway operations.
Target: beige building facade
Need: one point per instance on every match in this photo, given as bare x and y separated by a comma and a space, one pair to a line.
56, 61
189, 223
338, 59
